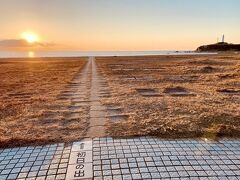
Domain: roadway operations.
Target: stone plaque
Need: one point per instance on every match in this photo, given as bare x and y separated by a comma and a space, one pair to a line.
80, 162
85, 145
79, 171
77, 157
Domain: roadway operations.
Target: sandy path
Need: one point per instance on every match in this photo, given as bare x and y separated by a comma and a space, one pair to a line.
97, 113
84, 93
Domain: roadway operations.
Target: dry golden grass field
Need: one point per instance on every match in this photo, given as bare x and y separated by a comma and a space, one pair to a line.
165, 96
28, 93
175, 96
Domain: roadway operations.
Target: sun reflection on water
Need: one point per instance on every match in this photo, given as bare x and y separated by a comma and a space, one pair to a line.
31, 54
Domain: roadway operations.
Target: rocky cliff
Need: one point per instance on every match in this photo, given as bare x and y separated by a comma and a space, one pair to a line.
219, 47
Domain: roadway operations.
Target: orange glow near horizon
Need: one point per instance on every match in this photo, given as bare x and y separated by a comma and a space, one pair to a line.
117, 25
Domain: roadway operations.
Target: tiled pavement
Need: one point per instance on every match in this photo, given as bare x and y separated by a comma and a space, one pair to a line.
50, 161
129, 158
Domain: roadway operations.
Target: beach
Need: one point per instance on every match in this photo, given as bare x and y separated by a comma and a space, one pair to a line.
174, 96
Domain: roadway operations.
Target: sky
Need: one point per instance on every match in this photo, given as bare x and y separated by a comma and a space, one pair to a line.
110, 25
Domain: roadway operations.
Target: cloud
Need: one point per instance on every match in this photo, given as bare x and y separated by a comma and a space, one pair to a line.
14, 43
21, 43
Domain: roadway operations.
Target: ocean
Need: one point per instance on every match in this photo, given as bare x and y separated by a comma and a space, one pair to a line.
15, 54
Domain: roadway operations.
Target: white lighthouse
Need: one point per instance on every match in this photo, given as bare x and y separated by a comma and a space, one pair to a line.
223, 38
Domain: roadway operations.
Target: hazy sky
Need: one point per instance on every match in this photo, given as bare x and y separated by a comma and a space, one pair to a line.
122, 24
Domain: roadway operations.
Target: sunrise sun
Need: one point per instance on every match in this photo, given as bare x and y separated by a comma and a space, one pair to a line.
30, 37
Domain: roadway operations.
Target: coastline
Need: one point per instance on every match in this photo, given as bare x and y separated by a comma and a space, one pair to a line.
31, 54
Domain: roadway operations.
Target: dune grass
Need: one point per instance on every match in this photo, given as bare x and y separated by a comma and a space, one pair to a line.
199, 95
28, 89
